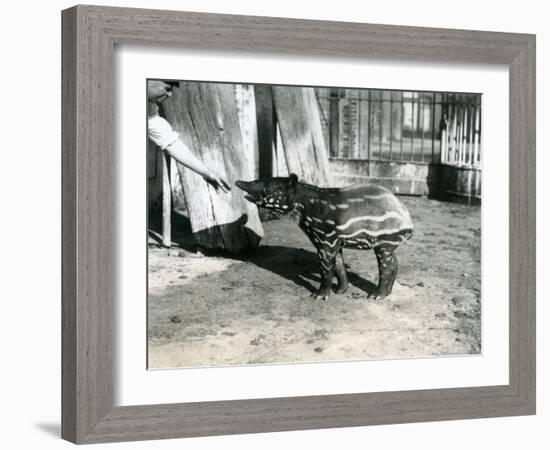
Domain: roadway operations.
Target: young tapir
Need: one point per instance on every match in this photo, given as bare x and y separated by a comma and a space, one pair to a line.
361, 217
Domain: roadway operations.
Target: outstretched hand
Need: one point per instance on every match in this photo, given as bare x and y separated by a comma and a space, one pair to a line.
217, 181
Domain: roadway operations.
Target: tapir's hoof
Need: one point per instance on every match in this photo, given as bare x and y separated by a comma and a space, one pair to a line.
342, 289
320, 295
378, 294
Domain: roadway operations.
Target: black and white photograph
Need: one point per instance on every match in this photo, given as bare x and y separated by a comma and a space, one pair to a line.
298, 224
275, 225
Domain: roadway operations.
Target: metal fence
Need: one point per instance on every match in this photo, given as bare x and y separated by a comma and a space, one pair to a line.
408, 126
461, 130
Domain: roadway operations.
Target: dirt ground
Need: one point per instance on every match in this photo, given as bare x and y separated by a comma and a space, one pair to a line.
217, 310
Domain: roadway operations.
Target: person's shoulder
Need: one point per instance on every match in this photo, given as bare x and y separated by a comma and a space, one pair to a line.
157, 121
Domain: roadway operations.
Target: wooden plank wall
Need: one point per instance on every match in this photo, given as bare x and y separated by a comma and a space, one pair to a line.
299, 122
205, 116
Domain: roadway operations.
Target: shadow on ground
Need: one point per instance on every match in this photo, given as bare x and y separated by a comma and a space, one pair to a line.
299, 266
182, 235
295, 264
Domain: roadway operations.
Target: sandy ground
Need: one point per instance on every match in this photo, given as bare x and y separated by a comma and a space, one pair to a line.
215, 310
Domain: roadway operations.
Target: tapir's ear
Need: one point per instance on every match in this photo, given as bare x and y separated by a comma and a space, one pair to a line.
293, 179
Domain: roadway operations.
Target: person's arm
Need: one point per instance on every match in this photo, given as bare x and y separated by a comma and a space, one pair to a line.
162, 134
181, 153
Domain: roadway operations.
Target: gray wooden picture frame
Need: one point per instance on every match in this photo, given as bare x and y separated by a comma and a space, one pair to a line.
89, 37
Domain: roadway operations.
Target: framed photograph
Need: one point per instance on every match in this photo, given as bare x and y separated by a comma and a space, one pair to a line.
278, 224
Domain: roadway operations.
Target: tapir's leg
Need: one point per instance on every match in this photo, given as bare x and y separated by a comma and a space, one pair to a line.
327, 260
394, 273
387, 270
341, 273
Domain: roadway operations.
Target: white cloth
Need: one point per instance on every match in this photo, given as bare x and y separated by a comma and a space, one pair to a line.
161, 132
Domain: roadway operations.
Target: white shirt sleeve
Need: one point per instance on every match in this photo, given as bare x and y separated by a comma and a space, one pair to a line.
161, 132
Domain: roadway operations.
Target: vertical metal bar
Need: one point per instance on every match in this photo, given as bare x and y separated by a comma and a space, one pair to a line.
433, 127
462, 132
476, 133
468, 153
454, 130
450, 107
444, 127
469, 137
380, 122
447, 128
359, 124
334, 122
421, 113
465, 130
479, 132
402, 127
472, 118
391, 123
370, 131
412, 128
348, 100
459, 132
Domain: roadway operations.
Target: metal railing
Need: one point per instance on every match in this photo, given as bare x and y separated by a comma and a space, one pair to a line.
407, 126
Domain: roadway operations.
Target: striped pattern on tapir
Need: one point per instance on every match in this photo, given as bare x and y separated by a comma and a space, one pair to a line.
359, 217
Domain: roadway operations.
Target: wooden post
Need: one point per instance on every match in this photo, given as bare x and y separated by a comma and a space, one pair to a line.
246, 110
265, 121
302, 134
281, 169
205, 116
166, 202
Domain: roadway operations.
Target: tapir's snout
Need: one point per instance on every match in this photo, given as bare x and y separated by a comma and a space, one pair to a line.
250, 188
242, 185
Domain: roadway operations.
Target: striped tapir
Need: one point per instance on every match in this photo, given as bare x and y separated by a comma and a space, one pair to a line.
360, 217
